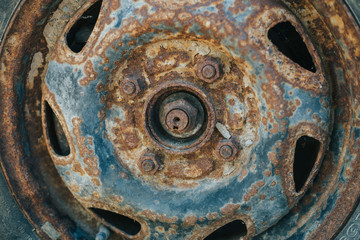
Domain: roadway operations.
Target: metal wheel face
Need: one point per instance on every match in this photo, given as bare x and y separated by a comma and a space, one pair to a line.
192, 120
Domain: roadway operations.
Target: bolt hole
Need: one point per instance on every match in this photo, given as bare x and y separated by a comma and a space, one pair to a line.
55, 132
231, 231
306, 154
289, 42
125, 224
82, 29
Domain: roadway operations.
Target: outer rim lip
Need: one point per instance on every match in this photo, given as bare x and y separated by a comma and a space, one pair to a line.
211, 115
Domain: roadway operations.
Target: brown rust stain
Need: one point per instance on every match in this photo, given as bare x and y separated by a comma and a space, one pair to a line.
90, 159
212, 216
166, 61
190, 169
229, 209
251, 192
189, 221
156, 217
90, 73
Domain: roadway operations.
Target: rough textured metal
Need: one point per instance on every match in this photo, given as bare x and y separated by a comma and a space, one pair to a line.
149, 163
210, 70
227, 150
278, 99
250, 82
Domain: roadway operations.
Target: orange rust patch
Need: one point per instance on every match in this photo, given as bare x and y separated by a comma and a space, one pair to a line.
95, 181
131, 139
190, 221
212, 216
273, 158
92, 169
95, 194
117, 199
251, 193
90, 74
267, 173
229, 209
80, 140
243, 174
190, 169
78, 168
161, 218
260, 183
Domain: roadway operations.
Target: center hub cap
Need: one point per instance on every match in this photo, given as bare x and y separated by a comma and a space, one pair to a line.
179, 117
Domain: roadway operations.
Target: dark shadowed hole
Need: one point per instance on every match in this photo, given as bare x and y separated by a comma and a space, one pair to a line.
289, 42
231, 231
121, 222
81, 30
306, 154
55, 133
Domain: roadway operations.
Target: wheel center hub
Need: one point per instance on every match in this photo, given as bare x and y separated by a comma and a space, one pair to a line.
181, 115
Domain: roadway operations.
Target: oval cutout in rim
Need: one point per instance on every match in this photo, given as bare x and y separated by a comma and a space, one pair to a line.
306, 153
125, 224
55, 132
231, 231
288, 41
80, 32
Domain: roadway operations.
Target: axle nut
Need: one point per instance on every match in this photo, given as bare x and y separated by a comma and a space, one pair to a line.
180, 116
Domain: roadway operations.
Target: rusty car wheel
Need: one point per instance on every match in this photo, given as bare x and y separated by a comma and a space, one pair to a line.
154, 119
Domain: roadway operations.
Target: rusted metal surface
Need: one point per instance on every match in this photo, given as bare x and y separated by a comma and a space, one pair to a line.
244, 81
163, 162
227, 150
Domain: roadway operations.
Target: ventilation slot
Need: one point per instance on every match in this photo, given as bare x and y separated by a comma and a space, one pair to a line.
306, 154
81, 30
125, 224
55, 133
231, 231
289, 42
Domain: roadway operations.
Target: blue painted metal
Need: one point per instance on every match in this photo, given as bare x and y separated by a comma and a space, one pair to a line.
210, 195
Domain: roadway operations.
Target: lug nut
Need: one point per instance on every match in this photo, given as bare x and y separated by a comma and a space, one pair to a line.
129, 88
226, 150
149, 163
210, 70
132, 85
177, 120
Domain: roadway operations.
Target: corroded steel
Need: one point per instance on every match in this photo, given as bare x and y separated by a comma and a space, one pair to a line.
210, 69
227, 150
263, 99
